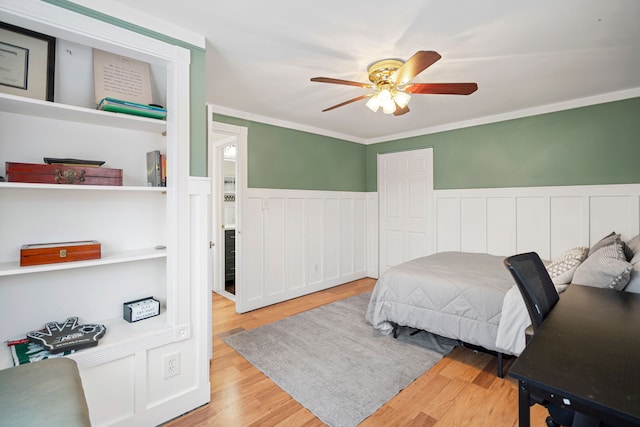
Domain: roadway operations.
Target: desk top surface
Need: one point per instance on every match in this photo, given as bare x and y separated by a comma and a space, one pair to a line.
588, 348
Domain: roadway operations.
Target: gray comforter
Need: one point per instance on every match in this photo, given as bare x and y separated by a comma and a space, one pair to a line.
458, 295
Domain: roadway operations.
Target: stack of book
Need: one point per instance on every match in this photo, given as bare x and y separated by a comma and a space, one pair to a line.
128, 107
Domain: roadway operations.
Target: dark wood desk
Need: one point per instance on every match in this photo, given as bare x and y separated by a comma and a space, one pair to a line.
586, 356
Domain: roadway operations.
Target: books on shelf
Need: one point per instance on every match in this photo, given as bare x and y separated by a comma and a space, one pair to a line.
128, 107
156, 169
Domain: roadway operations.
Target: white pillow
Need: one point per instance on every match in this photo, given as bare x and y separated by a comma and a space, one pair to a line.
634, 281
634, 244
561, 270
605, 268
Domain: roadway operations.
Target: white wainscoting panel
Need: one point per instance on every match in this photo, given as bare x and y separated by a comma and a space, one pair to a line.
372, 230
295, 242
548, 220
473, 228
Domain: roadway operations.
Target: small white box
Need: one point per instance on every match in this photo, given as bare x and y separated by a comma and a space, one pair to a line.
140, 309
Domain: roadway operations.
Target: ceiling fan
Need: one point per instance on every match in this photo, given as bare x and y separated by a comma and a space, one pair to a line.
390, 81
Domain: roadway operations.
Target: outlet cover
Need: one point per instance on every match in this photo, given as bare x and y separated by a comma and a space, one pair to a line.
171, 365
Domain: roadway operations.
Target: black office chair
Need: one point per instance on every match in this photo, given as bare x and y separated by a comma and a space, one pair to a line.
535, 284
540, 295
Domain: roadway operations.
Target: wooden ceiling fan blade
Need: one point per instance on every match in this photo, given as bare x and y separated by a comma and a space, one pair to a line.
401, 110
442, 88
341, 82
348, 102
419, 62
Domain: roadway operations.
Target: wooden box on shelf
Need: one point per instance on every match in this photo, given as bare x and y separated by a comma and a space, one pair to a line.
58, 174
50, 253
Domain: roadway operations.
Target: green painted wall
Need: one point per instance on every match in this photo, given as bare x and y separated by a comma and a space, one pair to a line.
288, 159
198, 133
598, 144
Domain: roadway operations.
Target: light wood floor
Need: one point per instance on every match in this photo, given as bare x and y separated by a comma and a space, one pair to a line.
460, 390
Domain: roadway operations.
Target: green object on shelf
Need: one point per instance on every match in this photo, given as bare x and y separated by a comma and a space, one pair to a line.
115, 108
30, 352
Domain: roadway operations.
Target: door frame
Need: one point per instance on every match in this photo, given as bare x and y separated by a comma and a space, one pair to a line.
218, 135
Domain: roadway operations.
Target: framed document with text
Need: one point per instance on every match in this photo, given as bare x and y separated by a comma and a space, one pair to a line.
27, 62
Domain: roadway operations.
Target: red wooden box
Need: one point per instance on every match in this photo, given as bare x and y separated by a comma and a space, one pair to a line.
58, 174
50, 253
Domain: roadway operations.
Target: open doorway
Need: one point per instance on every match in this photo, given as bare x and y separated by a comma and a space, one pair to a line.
226, 144
228, 223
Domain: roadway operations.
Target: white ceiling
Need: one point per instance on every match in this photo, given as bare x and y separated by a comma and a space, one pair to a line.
526, 56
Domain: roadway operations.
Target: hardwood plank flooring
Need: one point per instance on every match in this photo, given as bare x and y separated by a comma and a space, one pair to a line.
460, 390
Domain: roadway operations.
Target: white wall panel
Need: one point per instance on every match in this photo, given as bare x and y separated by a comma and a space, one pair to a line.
112, 382
313, 240
295, 242
314, 232
501, 225
347, 222
331, 239
473, 224
252, 250
447, 224
548, 220
359, 229
274, 236
532, 225
569, 217
372, 231
294, 245
617, 209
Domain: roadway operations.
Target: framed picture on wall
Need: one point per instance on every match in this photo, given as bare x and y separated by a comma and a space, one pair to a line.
27, 62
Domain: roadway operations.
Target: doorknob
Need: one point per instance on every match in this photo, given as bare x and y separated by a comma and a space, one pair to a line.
211, 245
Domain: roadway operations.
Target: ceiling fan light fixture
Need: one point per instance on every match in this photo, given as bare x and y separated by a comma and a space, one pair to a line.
389, 108
402, 98
384, 95
386, 100
373, 103
390, 80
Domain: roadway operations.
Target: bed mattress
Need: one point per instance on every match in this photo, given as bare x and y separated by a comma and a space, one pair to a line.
458, 295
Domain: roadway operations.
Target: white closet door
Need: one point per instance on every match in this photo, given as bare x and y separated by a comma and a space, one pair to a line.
405, 188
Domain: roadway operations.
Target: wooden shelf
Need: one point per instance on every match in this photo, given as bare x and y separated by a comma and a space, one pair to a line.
121, 339
13, 268
52, 110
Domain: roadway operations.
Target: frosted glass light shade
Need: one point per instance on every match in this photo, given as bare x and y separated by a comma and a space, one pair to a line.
402, 98
373, 103
389, 107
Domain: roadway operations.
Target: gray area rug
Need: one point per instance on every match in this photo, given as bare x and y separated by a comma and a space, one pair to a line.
336, 364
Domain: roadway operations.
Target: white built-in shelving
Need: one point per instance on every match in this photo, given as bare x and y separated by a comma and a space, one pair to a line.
141, 229
144, 231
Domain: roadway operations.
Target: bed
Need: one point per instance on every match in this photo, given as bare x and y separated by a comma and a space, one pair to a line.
472, 297
458, 295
